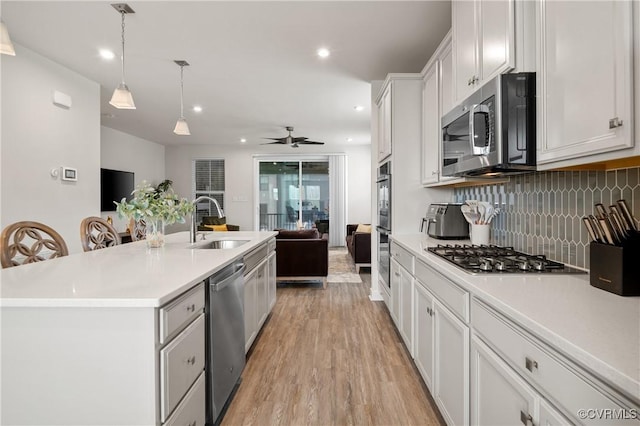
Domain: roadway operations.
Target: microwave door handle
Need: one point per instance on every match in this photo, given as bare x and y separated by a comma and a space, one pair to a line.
479, 109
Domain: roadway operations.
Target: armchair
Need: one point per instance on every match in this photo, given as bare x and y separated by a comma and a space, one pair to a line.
208, 223
359, 246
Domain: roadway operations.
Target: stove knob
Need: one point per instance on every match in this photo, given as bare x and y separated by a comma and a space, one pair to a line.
501, 266
486, 265
524, 265
538, 265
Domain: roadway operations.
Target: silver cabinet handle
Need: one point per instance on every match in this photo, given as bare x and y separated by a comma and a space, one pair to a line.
615, 122
191, 308
435, 172
526, 418
192, 360
396, 274
530, 364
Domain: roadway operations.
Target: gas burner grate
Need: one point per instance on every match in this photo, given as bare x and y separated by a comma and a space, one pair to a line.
478, 259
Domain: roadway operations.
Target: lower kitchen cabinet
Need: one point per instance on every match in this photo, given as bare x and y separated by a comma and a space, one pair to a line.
424, 328
271, 280
451, 346
394, 278
406, 308
259, 290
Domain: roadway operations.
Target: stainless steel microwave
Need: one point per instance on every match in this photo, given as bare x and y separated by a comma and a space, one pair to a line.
493, 131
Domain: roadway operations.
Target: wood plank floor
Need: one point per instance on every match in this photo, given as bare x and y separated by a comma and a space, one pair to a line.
330, 357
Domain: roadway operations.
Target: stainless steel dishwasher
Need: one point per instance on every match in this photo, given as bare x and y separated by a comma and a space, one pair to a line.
225, 337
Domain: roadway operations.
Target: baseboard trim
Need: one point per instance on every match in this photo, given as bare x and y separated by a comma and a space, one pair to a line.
375, 296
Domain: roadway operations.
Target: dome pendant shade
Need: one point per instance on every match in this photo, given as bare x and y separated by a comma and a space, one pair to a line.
6, 47
182, 128
122, 98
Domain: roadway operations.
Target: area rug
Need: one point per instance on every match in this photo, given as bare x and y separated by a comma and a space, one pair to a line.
341, 267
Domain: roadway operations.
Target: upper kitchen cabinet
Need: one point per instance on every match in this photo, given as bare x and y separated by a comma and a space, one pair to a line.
490, 37
384, 123
585, 82
437, 99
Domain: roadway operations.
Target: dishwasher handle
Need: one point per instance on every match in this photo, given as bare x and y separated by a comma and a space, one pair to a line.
238, 271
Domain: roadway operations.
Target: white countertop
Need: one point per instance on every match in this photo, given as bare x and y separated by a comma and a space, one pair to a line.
128, 275
597, 329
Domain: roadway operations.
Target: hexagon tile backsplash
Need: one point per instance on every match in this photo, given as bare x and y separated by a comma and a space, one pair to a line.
541, 212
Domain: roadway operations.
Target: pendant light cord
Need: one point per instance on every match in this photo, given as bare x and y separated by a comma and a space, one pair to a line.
122, 61
181, 92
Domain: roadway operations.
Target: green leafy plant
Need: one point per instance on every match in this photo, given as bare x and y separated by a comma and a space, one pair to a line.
159, 203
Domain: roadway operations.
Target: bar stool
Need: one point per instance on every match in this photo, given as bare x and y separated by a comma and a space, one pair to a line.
22, 242
96, 233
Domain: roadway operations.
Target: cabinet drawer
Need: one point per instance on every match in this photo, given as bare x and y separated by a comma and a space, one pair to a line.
271, 245
453, 296
180, 312
192, 411
402, 256
555, 376
181, 362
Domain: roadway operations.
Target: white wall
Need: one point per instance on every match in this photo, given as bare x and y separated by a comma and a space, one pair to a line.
239, 178
122, 151
37, 136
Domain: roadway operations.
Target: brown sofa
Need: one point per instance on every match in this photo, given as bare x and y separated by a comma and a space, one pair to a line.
359, 246
302, 255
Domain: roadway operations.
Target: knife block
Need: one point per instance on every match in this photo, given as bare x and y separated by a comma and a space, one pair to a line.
616, 269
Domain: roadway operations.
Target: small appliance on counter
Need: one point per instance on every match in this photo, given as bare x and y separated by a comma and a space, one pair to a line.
445, 221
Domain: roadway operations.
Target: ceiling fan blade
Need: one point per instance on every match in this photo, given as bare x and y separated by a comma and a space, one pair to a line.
298, 139
275, 139
280, 142
311, 143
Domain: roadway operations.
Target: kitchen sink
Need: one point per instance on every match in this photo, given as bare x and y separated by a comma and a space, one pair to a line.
220, 244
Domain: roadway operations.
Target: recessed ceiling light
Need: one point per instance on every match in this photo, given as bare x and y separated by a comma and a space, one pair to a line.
358, 108
323, 52
197, 108
243, 140
107, 54
349, 139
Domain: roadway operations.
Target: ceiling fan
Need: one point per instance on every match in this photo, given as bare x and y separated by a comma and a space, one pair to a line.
293, 141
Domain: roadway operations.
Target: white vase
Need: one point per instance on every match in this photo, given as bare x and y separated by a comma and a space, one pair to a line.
155, 233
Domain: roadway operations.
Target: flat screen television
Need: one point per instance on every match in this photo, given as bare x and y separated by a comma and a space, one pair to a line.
114, 186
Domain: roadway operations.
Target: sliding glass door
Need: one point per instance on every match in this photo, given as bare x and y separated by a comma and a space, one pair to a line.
293, 194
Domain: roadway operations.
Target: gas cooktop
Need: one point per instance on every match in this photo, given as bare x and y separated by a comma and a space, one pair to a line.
494, 259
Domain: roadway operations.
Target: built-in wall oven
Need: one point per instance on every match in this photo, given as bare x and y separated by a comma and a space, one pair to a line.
384, 220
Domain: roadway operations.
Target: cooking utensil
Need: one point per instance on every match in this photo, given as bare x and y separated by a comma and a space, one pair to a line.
493, 214
470, 215
627, 216
613, 209
616, 221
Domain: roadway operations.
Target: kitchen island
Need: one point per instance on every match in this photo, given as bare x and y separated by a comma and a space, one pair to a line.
576, 346
83, 335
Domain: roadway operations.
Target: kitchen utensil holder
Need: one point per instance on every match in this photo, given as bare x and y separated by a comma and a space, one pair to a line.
616, 268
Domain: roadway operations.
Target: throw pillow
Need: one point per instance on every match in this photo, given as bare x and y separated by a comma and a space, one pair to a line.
214, 220
217, 227
363, 228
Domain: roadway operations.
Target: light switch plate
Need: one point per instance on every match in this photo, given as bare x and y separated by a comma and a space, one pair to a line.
69, 174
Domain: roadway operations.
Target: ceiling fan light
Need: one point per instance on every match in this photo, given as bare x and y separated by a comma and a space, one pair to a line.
6, 47
122, 98
182, 128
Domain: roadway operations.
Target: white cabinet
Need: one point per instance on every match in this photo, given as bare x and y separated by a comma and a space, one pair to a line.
451, 390
395, 279
498, 395
406, 308
437, 100
272, 279
585, 85
259, 290
384, 123
250, 314
483, 42
424, 329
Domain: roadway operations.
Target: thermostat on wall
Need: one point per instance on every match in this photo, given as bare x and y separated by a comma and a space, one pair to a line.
69, 173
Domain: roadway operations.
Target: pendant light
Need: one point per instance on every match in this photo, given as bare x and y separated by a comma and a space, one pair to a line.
6, 47
182, 128
122, 98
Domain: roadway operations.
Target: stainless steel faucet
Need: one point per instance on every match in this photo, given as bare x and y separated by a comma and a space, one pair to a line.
194, 227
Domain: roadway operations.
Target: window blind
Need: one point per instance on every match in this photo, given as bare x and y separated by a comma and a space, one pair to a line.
208, 179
